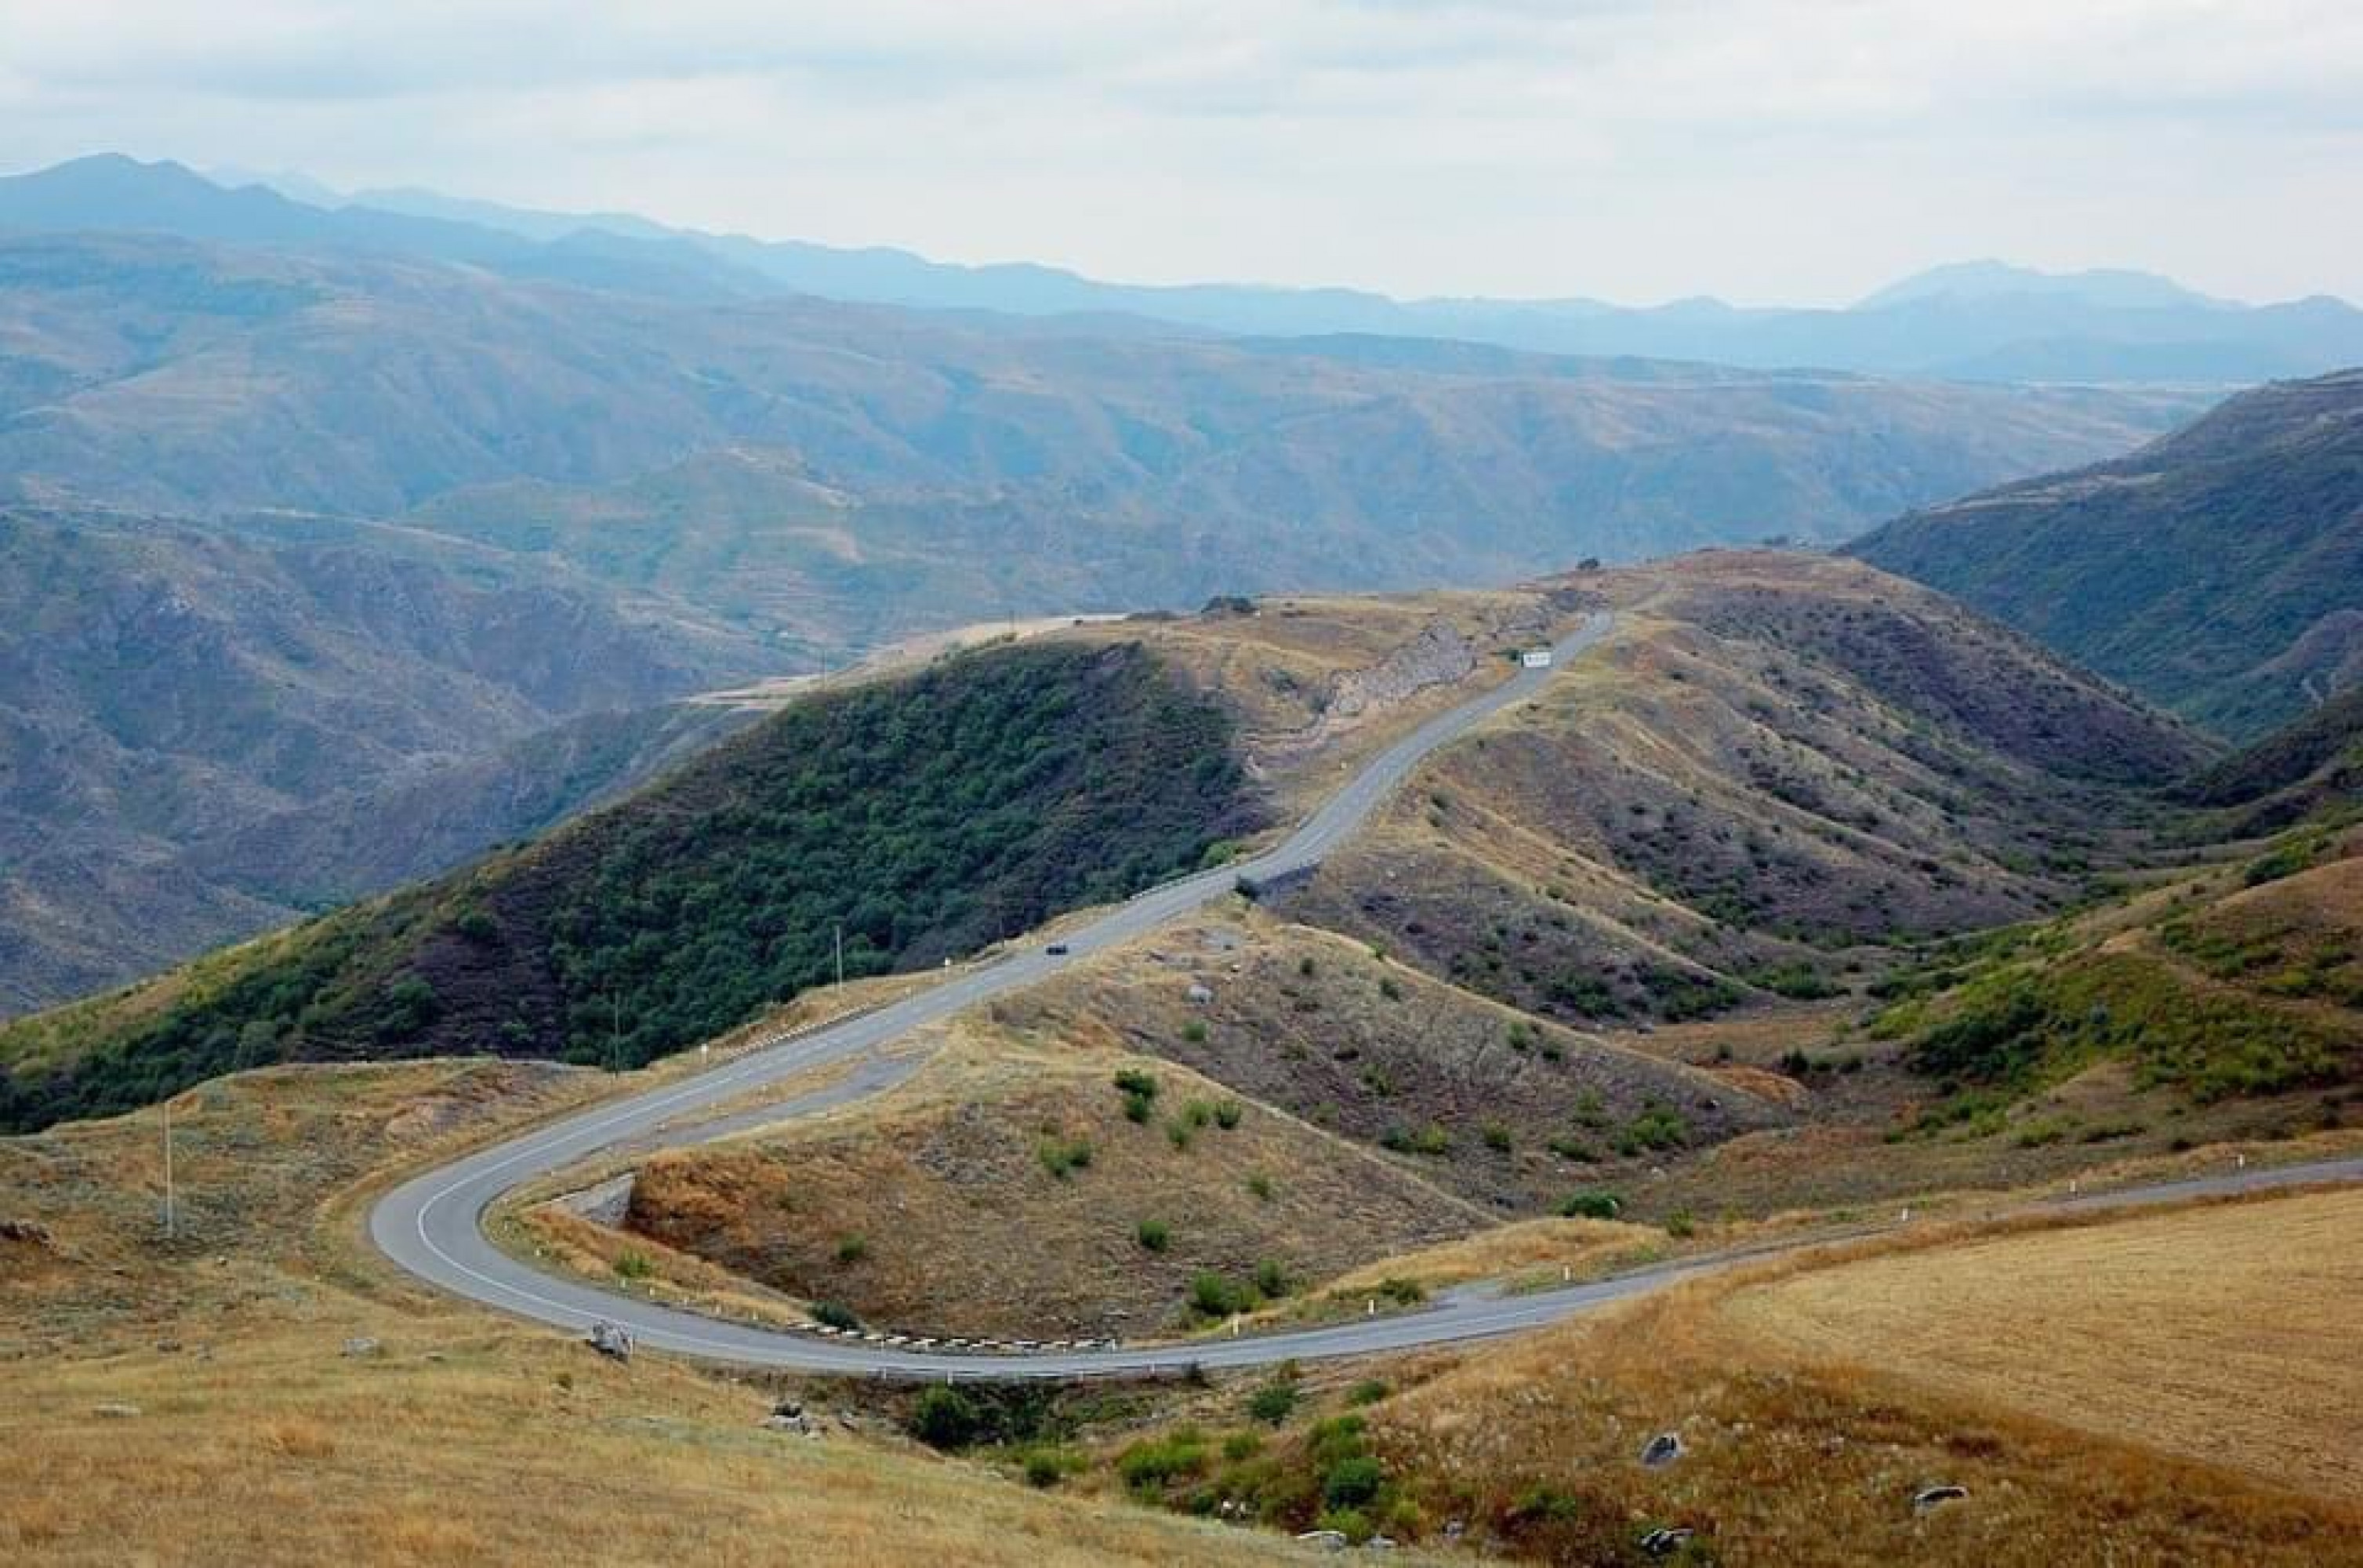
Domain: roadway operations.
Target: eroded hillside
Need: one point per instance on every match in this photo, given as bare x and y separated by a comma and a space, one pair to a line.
1775, 760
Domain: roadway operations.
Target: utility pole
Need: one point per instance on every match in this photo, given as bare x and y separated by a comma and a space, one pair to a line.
840, 928
170, 1227
615, 1031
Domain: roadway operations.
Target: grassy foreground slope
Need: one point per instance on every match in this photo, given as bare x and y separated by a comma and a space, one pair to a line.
928, 815
1814, 1409
195, 1401
2218, 570
2217, 1333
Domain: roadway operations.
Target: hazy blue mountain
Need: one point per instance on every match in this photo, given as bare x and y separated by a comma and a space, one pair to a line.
2108, 288
1985, 320
110, 194
1979, 320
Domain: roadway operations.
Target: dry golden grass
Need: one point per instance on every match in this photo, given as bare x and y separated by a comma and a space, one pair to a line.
461, 1444
1794, 1458
930, 1208
1528, 1250
2222, 1333
465, 1439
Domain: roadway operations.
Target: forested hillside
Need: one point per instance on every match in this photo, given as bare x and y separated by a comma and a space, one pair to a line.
927, 815
2218, 571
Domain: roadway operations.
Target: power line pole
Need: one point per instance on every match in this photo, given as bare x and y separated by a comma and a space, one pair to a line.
840, 928
171, 1228
615, 1031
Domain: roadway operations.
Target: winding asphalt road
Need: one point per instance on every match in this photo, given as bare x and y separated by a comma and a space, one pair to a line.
432, 1224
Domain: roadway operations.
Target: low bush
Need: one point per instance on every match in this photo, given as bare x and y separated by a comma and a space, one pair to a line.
1274, 1402
1154, 1463
1063, 1156
944, 1417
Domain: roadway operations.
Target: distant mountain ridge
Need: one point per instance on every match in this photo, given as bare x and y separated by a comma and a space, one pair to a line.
1981, 320
2218, 571
626, 457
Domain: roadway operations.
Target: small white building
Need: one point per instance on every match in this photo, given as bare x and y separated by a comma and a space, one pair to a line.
1536, 658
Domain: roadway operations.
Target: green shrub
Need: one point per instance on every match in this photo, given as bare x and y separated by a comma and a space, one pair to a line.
1259, 1186
1352, 1482
1046, 1467
1228, 1115
1153, 1236
1547, 1503
633, 1266
1431, 1139
1797, 980
1590, 1206
1368, 1392
830, 1315
1658, 1127
1274, 1402
1497, 1136
852, 1248
1679, 995
1063, 1156
1216, 1296
1154, 1463
1272, 1280
944, 1417
1194, 1031
1136, 1082
2286, 859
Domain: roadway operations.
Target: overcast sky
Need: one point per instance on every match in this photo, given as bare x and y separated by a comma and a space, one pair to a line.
1765, 151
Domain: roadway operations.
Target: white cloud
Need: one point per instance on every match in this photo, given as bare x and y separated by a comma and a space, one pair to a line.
1760, 149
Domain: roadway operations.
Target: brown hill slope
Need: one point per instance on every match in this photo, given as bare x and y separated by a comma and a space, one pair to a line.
1776, 757
167, 688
